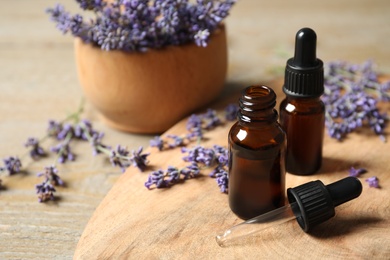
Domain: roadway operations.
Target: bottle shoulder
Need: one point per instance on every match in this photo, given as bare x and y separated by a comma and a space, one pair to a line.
257, 137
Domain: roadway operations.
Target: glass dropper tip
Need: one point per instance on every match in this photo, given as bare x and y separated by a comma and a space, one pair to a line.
254, 225
222, 238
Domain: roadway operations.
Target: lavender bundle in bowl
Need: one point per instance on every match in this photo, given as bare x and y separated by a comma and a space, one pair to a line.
138, 25
145, 65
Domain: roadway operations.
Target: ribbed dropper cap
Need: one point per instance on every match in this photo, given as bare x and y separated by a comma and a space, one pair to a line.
304, 74
316, 202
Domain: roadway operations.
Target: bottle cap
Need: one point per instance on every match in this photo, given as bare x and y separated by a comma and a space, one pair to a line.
304, 74
316, 202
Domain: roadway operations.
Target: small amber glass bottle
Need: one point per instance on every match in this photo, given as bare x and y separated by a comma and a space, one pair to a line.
256, 155
303, 120
302, 113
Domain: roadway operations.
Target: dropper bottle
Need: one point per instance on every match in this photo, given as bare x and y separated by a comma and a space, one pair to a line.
310, 204
302, 113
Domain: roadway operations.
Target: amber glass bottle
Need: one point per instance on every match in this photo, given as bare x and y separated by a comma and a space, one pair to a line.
303, 120
256, 155
302, 113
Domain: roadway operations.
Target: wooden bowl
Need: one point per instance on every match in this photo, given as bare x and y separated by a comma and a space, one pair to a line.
149, 92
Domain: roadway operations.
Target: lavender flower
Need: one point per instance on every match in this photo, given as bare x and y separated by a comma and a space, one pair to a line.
84, 131
91, 4
201, 37
173, 173
139, 160
64, 152
194, 127
199, 154
96, 143
51, 176
222, 178
222, 155
231, 112
11, 164
356, 172
45, 191
373, 182
157, 142
211, 118
177, 141
197, 157
66, 132
352, 94
156, 178
137, 25
190, 171
119, 157
36, 151
54, 128
60, 17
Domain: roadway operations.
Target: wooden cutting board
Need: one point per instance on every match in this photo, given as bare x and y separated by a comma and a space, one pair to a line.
181, 222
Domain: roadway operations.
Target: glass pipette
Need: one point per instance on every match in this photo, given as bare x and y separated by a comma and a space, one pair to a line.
310, 204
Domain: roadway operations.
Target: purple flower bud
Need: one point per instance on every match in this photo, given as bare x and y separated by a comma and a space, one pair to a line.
139, 160
11, 164
45, 191
156, 178
157, 142
36, 151
356, 172
373, 182
190, 171
231, 112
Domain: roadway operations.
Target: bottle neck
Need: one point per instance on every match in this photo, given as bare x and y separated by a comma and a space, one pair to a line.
303, 99
257, 105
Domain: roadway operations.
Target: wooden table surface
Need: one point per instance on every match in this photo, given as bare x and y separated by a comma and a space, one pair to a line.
38, 82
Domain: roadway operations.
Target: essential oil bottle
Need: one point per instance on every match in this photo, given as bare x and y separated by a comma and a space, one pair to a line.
256, 155
302, 113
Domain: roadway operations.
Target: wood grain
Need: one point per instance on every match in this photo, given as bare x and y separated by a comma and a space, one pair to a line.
181, 222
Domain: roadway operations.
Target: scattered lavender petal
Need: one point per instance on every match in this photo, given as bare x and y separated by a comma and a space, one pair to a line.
373, 182
356, 172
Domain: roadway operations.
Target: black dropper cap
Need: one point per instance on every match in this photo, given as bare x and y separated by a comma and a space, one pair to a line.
304, 75
316, 202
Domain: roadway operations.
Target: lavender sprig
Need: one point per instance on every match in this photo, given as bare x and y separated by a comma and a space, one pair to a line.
45, 190
135, 25
352, 94
199, 158
65, 132
196, 126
